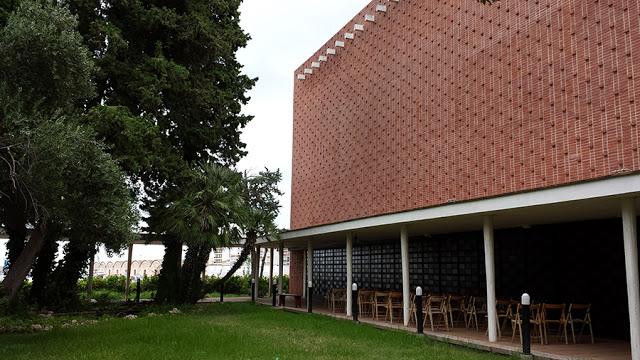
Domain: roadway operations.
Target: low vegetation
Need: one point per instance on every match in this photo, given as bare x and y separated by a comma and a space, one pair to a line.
225, 331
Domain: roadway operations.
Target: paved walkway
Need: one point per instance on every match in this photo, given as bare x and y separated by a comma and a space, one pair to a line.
226, 299
601, 350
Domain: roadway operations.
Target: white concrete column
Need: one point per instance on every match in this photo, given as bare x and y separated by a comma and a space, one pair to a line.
304, 274
270, 271
406, 294
349, 273
280, 267
490, 270
630, 233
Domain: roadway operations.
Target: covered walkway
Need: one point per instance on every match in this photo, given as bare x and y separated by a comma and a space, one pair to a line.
603, 349
608, 262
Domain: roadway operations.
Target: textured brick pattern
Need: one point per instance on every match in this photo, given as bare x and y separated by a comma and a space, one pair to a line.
450, 100
296, 271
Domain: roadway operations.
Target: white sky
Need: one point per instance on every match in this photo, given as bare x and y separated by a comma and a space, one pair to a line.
284, 34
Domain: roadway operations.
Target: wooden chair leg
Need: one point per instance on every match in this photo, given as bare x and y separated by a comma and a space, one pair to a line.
431, 320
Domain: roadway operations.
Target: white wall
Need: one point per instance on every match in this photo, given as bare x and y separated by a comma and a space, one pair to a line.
3, 255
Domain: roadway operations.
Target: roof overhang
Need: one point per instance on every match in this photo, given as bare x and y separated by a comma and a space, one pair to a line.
597, 199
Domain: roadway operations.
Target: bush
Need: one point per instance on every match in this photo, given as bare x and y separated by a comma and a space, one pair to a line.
116, 283
239, 285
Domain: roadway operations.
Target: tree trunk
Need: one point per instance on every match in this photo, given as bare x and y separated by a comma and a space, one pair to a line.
43, 268
20, 269
246, 250
169, 279
194, 264
62, 293
264, 259
17, 231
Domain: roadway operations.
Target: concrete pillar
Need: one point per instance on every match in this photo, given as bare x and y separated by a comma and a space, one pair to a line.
270, 271
127, 282
280, 267
490, 270
630, 233
349, 273
304, 274
406, 294
309, 264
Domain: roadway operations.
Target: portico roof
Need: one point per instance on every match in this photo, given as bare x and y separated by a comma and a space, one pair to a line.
580, 201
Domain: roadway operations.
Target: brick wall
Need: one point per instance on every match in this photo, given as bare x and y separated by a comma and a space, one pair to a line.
449, 100
296, 271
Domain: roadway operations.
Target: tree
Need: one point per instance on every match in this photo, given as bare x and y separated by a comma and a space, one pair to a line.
205, 218
172, 90
261, 203
53, 169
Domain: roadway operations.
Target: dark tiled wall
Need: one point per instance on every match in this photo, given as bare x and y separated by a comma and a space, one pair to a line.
576, 262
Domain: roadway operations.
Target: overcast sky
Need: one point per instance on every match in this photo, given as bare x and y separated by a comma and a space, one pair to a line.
284, 34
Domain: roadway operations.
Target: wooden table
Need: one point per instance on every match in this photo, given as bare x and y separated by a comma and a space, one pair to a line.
297, 298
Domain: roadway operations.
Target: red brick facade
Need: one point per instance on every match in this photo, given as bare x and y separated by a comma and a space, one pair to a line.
296, 271
451, 100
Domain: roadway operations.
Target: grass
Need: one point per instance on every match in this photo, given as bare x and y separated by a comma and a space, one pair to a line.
228, 331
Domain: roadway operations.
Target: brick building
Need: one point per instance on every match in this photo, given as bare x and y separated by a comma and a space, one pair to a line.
472, 149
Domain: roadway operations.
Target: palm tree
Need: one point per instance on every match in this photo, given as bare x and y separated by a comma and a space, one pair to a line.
260, 194
206, 218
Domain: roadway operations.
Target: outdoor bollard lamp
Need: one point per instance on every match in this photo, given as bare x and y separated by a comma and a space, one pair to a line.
222, 292
526, 330
419, 320
273, 292
138, 290
253, 290
310, 297
354, 301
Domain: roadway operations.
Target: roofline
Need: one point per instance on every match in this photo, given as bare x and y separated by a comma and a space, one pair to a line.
621, 185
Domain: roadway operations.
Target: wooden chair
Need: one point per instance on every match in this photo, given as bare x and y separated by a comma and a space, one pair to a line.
395, 303
504, 314
412, 307
477, 308
580, 314
436, 308
366, 303
554, 314
338, 299
327, 298
457, 308
381, 302
535, 321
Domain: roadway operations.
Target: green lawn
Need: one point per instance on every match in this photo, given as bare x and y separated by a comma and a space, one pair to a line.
228, 331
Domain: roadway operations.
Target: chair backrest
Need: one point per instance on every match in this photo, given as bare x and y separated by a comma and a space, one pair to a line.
580, 312
504, 307
481, 303
457, 302
365, 295
471, 304
518, 310
395, 298
535, 312
381, 297
439, 302
553, 311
